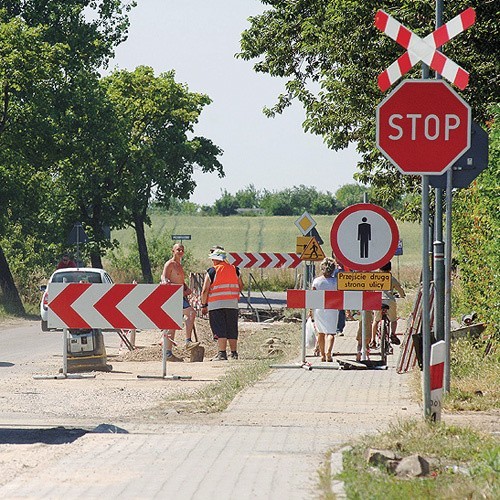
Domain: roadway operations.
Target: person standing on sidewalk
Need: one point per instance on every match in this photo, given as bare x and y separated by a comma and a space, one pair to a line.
173, 272
219, 296
326, 320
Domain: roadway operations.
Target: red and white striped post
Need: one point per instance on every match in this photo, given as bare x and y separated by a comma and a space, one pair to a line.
438, 351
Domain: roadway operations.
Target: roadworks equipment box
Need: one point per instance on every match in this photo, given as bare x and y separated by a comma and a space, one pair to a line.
86, 351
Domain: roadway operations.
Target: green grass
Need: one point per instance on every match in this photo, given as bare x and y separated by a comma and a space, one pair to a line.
264, 234
450, 448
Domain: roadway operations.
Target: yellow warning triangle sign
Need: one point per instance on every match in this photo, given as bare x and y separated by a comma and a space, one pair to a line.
313, 251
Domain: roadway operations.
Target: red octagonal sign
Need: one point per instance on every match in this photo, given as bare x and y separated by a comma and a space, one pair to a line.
423, 127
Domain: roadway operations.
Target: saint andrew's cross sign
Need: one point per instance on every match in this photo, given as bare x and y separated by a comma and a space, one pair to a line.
424, 49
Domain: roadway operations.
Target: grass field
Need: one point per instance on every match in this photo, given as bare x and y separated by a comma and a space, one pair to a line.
262, 234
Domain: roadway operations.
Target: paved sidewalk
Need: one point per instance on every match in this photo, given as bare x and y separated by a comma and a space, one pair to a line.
268, 444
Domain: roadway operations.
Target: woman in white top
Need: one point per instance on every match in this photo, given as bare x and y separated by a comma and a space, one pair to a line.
326, 320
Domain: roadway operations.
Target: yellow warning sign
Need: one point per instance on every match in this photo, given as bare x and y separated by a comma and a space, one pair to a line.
364, 281
302, 242
313, 251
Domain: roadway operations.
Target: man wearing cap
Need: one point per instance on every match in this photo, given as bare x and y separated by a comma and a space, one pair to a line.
219, 296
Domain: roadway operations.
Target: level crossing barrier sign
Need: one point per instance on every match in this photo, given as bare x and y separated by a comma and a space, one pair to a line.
424, 49
115, 306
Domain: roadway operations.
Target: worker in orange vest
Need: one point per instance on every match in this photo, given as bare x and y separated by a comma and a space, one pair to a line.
219, 296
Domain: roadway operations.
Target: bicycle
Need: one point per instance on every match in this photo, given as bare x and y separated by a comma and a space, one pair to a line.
384, 334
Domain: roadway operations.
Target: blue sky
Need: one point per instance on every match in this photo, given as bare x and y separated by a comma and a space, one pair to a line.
198, 39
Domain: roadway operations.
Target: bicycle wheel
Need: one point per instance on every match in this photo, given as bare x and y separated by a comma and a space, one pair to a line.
384, 340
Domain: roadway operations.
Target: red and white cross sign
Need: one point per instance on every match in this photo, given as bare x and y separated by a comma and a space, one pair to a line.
333, 299
120, 306
424, 49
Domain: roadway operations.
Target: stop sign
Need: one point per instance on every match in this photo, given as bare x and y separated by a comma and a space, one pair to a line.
423, 127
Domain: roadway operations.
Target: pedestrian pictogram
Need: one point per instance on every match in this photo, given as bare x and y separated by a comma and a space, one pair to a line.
424, 49
305, 223
364, 237
313, 251
423, 127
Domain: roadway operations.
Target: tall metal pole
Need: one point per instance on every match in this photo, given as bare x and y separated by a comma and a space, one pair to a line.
447, 282
426, 317
438, 268
426, 334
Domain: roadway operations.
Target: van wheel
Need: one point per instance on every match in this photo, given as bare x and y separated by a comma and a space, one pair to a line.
45, 328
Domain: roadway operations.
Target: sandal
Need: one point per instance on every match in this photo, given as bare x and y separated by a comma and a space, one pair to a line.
316, 352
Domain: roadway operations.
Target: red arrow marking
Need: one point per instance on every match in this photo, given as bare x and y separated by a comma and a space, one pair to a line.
296, 259
152, 307
237, 260
267, 259
106, 305
281, 259
62, 305
252, 259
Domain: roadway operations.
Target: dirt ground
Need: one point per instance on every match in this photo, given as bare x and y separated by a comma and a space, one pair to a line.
134, 391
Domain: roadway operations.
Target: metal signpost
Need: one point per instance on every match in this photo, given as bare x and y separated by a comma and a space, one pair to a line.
364, 237
408, 133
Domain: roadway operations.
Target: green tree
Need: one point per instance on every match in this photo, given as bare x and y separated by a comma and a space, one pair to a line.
226, 204
476, 226
350, 194
330, 55
46, 49
249, 197
27, 77
158, 116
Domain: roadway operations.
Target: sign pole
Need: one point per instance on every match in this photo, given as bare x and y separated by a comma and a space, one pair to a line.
65, 352
304, 313
426, 334
447, 281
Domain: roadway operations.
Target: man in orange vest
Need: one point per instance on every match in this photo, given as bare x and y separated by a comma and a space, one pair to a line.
219, 296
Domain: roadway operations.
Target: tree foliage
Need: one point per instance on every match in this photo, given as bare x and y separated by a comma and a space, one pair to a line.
476, 230
157, 116
330, 54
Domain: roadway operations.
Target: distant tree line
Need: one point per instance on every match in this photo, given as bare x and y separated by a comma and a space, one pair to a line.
289, 201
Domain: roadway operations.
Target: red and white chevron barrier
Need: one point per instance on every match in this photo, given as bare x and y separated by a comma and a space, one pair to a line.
264, 260
424, 49
329, 299
121, 306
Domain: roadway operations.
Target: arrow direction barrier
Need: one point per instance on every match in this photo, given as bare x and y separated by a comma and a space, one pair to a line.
264, 260
115, 306
424, 49
329, 299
